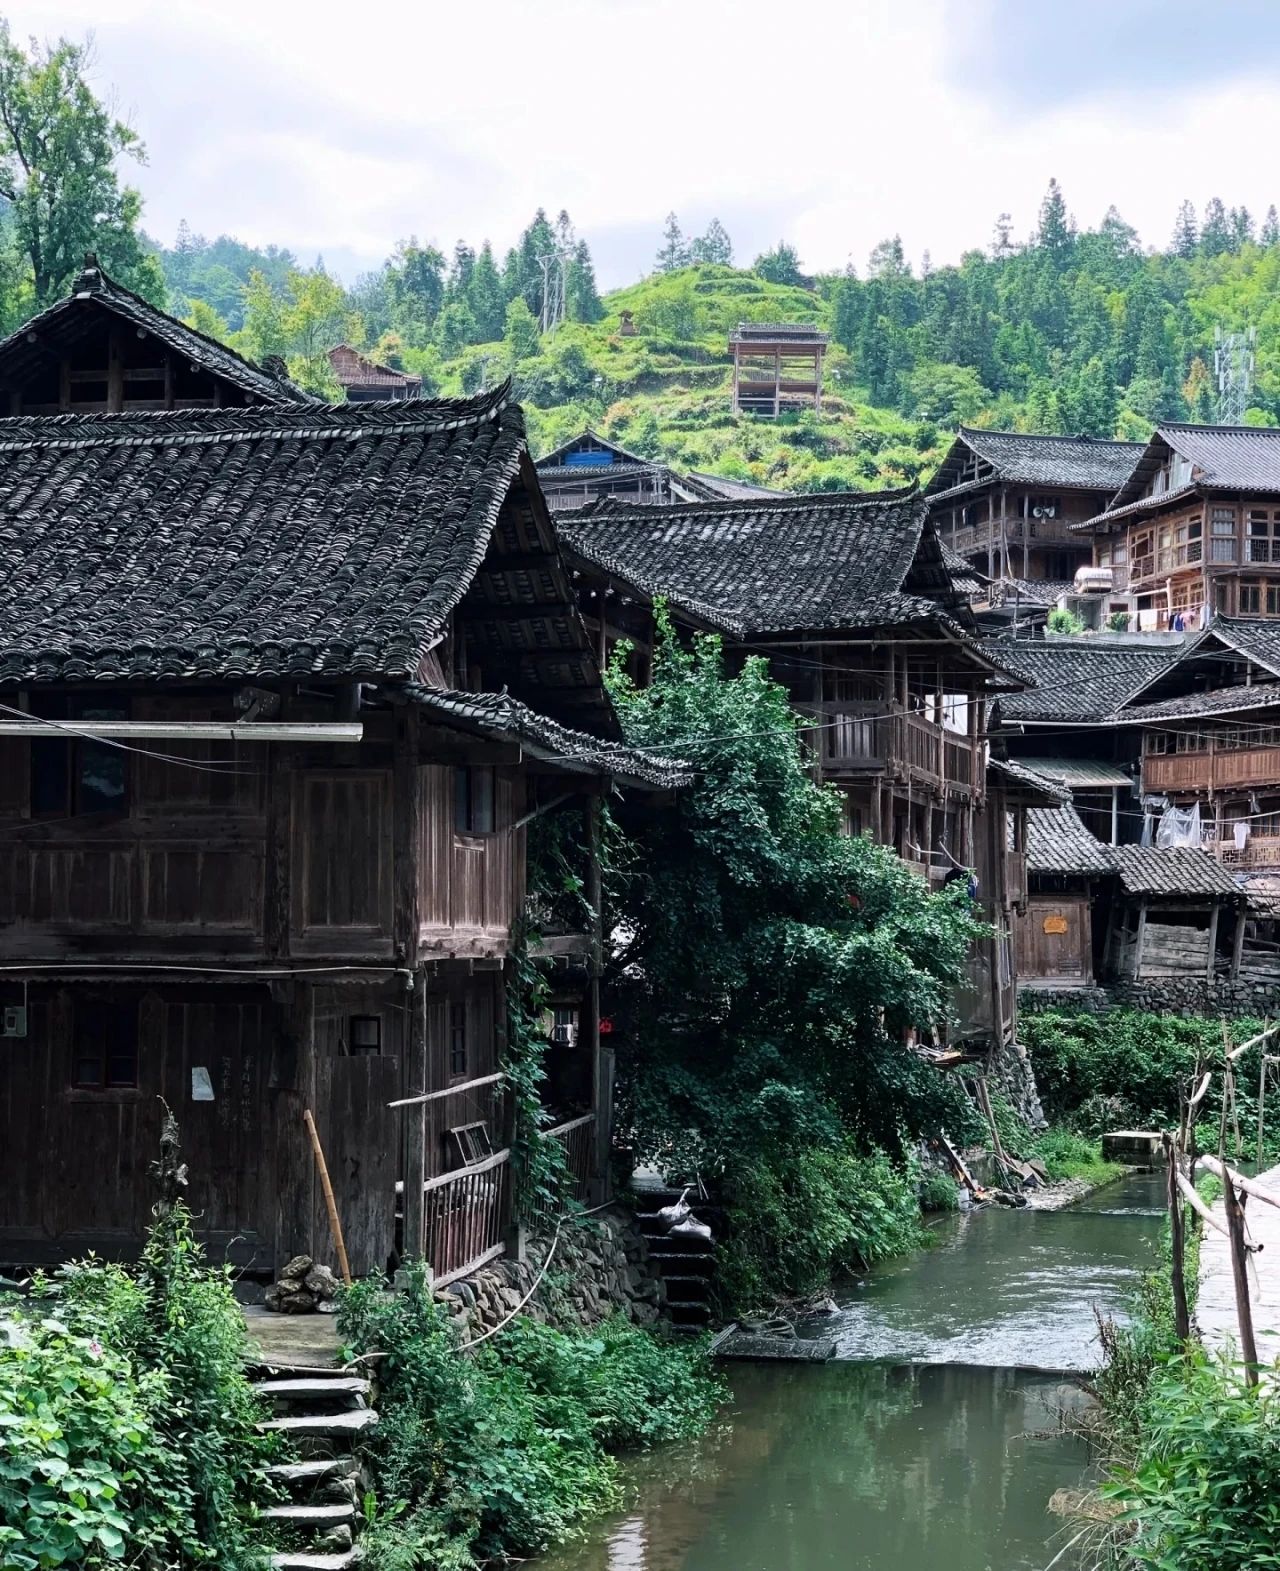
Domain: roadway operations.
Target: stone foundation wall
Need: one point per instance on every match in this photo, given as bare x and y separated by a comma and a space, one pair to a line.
1171, 995
601, 1267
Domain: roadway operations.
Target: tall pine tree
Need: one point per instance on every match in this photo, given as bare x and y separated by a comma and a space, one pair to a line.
675, 250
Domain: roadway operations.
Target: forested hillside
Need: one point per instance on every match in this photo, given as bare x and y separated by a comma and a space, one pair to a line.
1077, 330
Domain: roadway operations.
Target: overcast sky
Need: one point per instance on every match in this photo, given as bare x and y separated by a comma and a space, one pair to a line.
339, 128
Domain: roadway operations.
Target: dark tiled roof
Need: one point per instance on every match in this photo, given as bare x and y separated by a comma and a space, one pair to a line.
1237, 458
967, 578
1176, 870
94, 286
228, 543
1145, 504
1079, 463
1259, 641
1213, 701
789, 563
1058, 842
1042, 592
803, 333
552, 459
1075, 680
353, 369
498, 714
1035, 788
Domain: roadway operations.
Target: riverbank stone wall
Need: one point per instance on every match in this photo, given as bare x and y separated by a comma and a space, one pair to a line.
1172, 995
601, 1267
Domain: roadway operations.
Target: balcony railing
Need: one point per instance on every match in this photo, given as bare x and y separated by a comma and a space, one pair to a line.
464, 1214
1211, 769
576, 1139
853, 737
1258, 851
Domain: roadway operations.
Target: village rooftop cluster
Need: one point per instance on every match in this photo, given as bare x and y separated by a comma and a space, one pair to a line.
285, 683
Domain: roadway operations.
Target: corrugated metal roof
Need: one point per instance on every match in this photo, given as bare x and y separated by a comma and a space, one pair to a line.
1077, 772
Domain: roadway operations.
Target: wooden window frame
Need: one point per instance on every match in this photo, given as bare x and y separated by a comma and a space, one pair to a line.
475, 797
458, 1045
71, 758
98, 1029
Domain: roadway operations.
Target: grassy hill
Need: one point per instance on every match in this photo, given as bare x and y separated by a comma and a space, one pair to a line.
667, 392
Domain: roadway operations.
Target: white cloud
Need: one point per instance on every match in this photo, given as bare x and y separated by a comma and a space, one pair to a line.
331, 128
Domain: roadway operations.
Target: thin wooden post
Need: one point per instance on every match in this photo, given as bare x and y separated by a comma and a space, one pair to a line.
1262, 1097
331, 1205
415, 1129
1141, 939
1240, 1277
1237, 943
1181, 1312
601, 1091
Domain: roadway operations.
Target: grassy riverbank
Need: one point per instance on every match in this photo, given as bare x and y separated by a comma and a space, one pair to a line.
500, 1452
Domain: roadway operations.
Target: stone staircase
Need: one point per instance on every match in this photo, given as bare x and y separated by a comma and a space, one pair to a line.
687, 1266
324, 1416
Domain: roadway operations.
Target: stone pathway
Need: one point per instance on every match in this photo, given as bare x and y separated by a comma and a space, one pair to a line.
1216, 1305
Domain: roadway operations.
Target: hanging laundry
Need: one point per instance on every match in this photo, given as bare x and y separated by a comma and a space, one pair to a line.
1240, 832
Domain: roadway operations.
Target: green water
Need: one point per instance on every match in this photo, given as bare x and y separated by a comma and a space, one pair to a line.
933, 1443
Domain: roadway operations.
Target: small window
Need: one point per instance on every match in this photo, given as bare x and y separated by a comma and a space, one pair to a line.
458, 1055
472, 1142
364, 1036
106, 1047
78, 775
473, 801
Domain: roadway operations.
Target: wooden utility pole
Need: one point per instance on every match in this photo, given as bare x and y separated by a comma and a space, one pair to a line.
1240, 1277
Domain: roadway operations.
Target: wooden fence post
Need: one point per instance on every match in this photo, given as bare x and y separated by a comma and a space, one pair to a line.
1177, 1272
1240, 1275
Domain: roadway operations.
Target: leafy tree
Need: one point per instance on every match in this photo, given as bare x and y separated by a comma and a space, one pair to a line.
1215, 232
887, 260
779, 266
460, 270
415, 281
521, 332
314, 319
206, 320
1269, 234
1002, 238
58, 149
581, 299
1241, 223
263, 332
456, 328
714, 246
675, 249
486, 297
773, 965
1054, 235
1186, 233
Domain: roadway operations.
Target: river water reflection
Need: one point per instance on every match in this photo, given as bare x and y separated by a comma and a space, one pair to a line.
930, 1445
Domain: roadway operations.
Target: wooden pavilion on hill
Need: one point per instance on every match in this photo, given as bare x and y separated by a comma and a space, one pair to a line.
777, 366
104, 349
279, 689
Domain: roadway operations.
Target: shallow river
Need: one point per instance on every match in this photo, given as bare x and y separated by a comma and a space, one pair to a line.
933, 1443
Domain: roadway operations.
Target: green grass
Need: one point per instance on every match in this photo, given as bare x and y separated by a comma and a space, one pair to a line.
1066, 1154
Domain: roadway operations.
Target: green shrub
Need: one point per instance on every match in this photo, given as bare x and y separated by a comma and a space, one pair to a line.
797, 1217
1205, 1493
500, 1452
1060, 621
127, 1426
938, 1191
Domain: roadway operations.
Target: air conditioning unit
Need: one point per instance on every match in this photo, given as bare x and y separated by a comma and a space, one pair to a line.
15, 1020
564, 1036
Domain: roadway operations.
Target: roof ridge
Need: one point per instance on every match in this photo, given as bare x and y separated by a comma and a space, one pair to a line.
200, 427
1051, 436
786, 501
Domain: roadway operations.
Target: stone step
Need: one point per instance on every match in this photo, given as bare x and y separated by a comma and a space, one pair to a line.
304, 1562
311, 1516
324, 1426
321, 1471
318, 1387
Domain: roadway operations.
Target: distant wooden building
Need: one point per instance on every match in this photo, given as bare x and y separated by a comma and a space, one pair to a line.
592, 469
1007, 502
278, 692
777, 366
1193, 531
104, 349
1065, 867
363, 380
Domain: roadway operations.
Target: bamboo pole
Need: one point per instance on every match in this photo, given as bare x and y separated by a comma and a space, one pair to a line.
1248, 1186
1192, 1197
1240, 1277
335, 1226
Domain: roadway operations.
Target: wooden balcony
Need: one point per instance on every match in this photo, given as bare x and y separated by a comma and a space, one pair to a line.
862, 738
1211, 769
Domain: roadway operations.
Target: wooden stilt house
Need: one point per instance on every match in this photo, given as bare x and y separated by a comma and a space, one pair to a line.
279, 690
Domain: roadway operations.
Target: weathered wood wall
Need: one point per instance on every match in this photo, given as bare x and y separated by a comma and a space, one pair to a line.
1044, 951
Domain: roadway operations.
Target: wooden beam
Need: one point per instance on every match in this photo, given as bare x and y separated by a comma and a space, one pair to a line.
1141, 938
1213, 943
115, 373
415, 1132
189, 730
